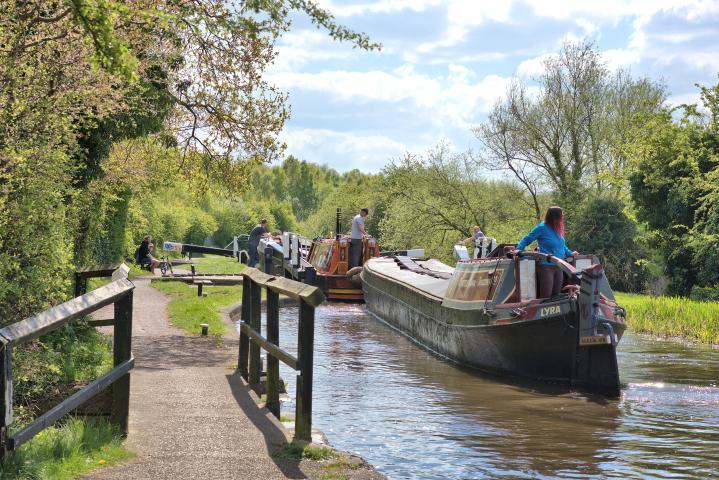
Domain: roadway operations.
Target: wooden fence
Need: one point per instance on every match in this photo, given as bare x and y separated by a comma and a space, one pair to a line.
251, 340
119, 292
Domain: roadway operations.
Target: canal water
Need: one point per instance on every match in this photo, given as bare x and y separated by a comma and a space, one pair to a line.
414, 416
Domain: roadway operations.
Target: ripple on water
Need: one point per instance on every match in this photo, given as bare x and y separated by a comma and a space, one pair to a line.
414, 416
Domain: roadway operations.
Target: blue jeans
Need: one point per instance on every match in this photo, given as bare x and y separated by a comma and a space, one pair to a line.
254, 256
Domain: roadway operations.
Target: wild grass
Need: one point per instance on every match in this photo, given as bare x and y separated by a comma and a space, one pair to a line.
187, 311
672, 316
217, 264
305, 451
68, 450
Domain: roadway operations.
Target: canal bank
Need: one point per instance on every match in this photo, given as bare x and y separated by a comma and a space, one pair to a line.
413, 416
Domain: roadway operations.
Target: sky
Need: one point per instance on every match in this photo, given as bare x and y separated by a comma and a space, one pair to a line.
445, 63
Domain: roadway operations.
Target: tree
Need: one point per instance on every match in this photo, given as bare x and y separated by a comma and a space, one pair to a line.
674, 168
564, 137
601, 227
433, 201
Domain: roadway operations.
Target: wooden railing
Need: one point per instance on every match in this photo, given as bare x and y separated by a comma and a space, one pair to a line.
119, 293
251, 340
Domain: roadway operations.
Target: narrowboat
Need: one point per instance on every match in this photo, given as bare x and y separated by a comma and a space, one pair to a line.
323, 262
330, 259
486, 314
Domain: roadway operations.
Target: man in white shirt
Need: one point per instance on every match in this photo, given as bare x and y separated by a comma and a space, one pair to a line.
358, 232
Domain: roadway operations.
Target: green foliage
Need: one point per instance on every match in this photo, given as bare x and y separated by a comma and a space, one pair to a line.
73, 448
187, 311
674, 168
705, 294
672, 316
50, 367
435, 201
601, 227
305, 451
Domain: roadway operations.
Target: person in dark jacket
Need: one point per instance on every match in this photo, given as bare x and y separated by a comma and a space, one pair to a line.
144, 254
549, 235
254, 242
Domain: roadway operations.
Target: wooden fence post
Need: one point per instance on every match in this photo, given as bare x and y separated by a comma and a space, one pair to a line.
305, 351
244, 353
122, 351
273, 364
78, 286
256, 324
5, 397
269, 267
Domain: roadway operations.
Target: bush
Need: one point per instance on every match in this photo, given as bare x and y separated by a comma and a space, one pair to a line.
705, 294
601, 227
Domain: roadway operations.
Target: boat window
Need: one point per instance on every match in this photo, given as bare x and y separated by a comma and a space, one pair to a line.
473, 284
321, 257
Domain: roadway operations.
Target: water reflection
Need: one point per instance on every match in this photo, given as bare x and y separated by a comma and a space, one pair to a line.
414, 416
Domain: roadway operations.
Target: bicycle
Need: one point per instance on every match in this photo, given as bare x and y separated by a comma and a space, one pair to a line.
164, 265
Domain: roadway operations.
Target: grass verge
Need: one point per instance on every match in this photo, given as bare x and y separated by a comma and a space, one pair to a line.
217, 264
187, 311
672, 316
66, 451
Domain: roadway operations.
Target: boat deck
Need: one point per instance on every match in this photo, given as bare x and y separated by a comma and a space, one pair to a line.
427, 284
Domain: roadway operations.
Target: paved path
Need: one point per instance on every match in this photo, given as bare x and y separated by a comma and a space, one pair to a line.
192, 417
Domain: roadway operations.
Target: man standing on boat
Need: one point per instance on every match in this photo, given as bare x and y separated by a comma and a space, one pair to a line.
358, 233
477, 237
254, 242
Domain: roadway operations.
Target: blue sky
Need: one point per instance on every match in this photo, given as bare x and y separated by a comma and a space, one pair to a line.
444, 64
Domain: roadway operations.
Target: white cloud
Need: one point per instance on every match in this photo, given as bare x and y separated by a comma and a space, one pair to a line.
533, 67
385, 6
452, 100
341, 150
462, 15
297, 49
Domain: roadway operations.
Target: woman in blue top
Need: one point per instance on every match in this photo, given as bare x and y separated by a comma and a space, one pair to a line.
549, 235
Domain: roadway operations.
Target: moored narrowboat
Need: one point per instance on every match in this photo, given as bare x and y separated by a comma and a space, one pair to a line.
486, 314
330, 259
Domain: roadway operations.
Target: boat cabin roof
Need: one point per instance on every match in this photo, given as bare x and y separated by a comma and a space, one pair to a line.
428, 284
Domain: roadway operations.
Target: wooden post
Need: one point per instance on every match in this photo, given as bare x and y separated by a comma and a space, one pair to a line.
5, 397
122, 351
244, 353
255, 323
305, 351
273, 364
268, 260
78, 286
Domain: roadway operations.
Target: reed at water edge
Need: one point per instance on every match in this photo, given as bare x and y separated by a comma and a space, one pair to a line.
672, 316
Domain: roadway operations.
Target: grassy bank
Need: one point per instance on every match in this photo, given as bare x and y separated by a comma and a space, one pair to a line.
216, 264
187, 311
47, 371
66, 451
672, 316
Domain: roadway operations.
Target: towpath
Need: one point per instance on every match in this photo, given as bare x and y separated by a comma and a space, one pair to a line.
193, 417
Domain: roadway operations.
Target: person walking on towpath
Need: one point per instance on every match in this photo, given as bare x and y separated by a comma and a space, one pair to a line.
358, 233
254, 242
549, 235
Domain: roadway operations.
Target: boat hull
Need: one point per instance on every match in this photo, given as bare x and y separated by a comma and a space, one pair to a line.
540, 348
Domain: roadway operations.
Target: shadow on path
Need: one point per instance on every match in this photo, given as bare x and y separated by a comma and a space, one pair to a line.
266, 423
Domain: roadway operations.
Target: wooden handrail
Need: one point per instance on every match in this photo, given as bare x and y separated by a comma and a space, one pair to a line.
119, 293
299, 291
33, 327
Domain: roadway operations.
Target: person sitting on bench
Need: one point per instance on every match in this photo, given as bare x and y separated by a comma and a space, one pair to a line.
144, 254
